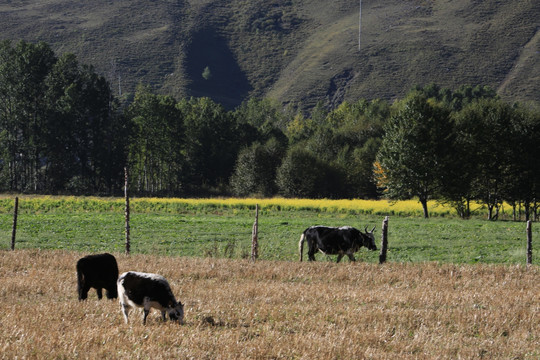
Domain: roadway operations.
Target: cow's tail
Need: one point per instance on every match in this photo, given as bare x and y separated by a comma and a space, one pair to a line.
301, 245
80, 281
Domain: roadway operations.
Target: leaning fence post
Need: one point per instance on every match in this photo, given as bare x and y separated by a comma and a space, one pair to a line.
14, 229
384, 243
529, 242
128, 244
255, 236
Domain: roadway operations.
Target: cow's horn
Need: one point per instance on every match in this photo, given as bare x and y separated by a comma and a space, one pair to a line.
372, 230
365, 228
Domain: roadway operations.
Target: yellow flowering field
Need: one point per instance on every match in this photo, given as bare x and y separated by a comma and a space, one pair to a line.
175, 205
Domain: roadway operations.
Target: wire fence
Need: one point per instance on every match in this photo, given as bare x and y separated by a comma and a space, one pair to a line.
229, 234
159, 234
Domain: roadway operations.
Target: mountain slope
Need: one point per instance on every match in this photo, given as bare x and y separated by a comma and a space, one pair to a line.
295, 51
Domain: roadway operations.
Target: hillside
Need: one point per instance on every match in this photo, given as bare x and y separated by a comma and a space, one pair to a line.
295, 51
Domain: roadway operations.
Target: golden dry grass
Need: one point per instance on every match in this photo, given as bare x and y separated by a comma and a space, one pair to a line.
275, 310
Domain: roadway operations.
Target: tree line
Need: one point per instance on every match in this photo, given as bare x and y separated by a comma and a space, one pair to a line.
62, 131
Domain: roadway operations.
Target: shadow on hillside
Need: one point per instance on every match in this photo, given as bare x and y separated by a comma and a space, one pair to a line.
223, 81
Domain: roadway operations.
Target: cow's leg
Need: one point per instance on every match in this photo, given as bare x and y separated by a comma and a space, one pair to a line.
146, 305
163, 313
146, 312
83, 292
351, 257
339, 257
125, 311
111, 292
99, 293
311, 253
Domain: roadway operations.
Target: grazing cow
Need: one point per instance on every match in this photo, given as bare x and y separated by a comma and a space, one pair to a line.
98, 271
137, 289
340, 241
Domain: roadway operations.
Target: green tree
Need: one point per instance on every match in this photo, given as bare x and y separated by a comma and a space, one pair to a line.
459, 98
256, 167
80, 119
300, 129
303, 175
416, 142
210, 145
206, 74
348, 142
157, 143
485, 135
23, 69
459, 169
264, 115
522, 182
360, 171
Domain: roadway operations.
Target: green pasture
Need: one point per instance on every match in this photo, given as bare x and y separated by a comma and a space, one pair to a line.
226, 232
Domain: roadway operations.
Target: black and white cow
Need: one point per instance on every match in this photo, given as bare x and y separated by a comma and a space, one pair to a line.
137, 289
341, 241
98, 271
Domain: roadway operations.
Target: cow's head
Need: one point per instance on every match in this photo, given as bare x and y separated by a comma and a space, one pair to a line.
369, 239
176, 313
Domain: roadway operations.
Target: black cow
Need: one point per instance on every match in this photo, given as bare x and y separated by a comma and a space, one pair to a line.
340, 241
137, 289
99, 272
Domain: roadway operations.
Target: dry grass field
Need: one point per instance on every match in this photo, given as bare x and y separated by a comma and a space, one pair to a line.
275, 310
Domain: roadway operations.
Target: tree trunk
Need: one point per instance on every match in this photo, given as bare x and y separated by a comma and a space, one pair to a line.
424, 208
490, 212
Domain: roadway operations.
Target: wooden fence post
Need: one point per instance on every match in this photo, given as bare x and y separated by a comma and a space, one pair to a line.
14, 229
384, 243
128, 244
255, 236
529, 242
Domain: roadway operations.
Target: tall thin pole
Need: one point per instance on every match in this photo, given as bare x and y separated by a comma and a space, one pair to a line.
384, 241
128, 244
14, 229
529, 242
359, 24
255, 236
